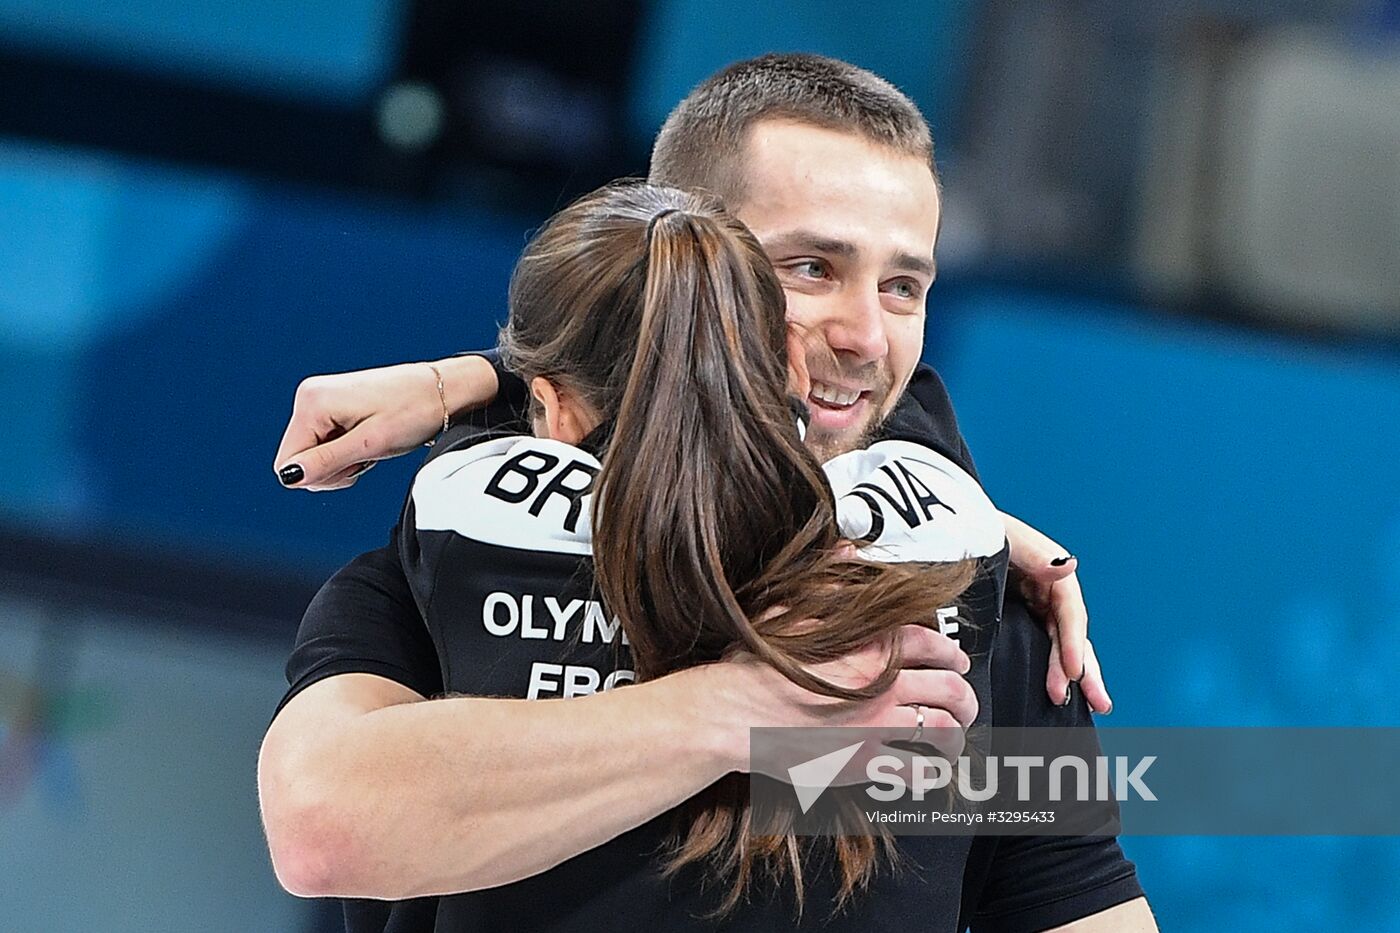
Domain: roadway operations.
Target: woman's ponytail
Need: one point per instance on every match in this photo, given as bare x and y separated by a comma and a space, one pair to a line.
703, 448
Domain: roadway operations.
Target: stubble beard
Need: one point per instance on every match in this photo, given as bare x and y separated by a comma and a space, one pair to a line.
826, 446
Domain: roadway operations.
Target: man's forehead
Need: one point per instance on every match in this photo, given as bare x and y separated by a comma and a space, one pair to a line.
831, 187
776, 150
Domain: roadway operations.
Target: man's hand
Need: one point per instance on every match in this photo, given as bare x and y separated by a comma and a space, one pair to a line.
1045, 573
341, 424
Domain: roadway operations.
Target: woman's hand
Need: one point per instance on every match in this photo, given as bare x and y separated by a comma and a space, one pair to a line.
343, 423
1045, 574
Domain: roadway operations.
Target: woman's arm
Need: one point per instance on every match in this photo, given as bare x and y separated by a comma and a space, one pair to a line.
1046, 572
344, 420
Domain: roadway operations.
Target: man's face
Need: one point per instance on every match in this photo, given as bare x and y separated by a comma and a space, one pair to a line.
850, 227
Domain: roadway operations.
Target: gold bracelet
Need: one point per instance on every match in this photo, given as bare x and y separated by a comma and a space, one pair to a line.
442, 397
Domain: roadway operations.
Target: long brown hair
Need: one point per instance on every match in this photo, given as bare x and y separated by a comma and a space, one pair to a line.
714, 527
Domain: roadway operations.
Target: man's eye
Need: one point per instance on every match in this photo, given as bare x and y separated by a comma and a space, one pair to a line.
811, 268
906, 289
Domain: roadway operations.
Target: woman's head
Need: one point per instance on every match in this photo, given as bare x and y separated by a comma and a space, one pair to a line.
654, 315
580, 292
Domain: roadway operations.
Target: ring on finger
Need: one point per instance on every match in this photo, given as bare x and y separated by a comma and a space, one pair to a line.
918, 723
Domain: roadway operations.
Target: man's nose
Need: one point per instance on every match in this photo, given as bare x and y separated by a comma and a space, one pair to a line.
858, 327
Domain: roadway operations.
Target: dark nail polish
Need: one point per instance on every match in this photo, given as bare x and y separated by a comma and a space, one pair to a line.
1061, 561
291, 474
1068, 688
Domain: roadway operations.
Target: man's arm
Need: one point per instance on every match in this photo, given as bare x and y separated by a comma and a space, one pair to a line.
370, 790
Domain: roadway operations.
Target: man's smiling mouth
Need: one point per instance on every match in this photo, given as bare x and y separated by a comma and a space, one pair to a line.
834, 397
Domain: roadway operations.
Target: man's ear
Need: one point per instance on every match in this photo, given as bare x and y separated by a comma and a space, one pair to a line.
560, 417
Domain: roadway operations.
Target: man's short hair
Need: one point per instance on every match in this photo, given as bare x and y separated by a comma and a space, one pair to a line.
701, 144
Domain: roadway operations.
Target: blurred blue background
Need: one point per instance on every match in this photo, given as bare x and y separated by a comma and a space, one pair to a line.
1168, 311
